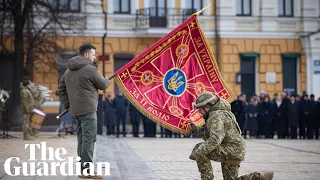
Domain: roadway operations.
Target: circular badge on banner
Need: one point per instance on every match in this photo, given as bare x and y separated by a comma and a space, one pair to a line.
174, 82
147, 78
182, 51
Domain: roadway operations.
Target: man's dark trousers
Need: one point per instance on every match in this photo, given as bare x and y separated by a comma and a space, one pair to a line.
87, 131
121, 118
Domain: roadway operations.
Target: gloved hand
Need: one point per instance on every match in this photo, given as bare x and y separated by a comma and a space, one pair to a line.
193, 156
193, 127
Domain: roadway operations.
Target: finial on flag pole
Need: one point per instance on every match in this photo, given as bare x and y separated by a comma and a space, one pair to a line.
199, 12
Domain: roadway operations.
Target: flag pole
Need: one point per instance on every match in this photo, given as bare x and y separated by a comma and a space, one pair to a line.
206, 7
67, 110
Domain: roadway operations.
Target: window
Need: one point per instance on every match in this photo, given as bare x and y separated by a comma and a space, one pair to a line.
243, 7
195, 5
67, 5
285, 8
121, 6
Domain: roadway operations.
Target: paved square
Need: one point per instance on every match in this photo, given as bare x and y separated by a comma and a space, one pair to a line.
168, 158
164, 158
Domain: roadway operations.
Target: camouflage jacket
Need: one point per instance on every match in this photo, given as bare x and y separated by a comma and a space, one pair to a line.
221, 129
37, 95
27, 101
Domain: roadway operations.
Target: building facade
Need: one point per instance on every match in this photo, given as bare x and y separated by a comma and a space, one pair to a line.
261, 45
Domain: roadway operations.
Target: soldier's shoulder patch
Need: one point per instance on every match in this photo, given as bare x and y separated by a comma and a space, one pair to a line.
25, 94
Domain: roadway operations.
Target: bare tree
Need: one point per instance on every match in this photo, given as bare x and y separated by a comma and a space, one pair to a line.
33, 25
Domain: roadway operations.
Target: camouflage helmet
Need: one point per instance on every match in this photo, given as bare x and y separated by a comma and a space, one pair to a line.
204, 99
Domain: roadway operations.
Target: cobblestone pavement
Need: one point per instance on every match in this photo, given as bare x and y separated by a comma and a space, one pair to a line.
168, 158
163, 158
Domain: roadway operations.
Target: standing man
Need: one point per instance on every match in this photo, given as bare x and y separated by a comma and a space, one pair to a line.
27, 105
293, 117
38, 101
120, 103
110, 119
78, 90
223, 141
135, 116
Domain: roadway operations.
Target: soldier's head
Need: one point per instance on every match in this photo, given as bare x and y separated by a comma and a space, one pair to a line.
26, 82
204, 103
88, 51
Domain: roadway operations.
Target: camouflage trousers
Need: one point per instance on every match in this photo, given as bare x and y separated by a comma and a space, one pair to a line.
27, 130
230, 168
35, 132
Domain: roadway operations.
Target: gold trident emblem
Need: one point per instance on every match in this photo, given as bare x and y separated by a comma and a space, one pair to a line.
173, 83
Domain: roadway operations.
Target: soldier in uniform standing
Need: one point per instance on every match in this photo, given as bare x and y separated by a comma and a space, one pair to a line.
27, 105
38, 101
223, 140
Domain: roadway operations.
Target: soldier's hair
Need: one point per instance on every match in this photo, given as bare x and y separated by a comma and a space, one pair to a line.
85, 48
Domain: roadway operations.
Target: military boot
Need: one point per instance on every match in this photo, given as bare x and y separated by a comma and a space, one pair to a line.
95, 176
36, 133
28, 137
266, 175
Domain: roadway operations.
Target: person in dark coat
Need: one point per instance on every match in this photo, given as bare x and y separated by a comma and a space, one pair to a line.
279, 118
285, 101
110, 118
238, 109
252, 119
265, 117
135, 115
316, 118
120, 103
293, 117
305, 118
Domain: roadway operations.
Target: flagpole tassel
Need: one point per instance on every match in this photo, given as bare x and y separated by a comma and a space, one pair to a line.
199, 12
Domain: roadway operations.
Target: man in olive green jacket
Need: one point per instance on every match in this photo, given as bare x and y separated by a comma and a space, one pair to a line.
78, 91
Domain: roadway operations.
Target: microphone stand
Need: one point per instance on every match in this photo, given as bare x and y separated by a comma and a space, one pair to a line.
4, 119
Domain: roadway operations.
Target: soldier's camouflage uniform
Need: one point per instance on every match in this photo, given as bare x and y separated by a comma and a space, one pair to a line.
38, 101
223, 143
27, 105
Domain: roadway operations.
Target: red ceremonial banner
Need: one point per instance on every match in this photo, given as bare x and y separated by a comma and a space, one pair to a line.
163, 81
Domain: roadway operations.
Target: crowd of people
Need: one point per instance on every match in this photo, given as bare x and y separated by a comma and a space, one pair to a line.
287, 116
282, 116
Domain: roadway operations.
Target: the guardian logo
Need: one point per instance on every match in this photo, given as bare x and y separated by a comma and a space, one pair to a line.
58, 158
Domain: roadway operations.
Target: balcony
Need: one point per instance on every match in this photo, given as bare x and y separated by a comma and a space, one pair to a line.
160, 21
161, 17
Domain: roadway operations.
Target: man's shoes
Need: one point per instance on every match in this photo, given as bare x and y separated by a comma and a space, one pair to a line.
266, 175
95, 176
